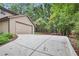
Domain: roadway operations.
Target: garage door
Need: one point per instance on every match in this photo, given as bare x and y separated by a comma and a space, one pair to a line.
23, 28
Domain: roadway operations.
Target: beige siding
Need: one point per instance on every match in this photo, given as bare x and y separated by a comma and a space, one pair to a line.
21, 28
12, 26
0, 27
4, 26
25, 25
23, 19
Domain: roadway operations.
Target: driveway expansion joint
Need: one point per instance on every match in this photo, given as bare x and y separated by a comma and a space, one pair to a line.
39, 46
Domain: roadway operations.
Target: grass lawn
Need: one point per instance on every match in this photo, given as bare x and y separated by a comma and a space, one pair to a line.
5, 37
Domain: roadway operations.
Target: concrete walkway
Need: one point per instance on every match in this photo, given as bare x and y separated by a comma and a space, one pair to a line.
38, 45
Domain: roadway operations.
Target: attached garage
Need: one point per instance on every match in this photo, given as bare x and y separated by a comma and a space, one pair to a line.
15, 23
21, 25
22, 28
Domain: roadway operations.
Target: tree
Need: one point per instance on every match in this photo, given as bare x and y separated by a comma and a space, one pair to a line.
59, 18
62, 17
40, 25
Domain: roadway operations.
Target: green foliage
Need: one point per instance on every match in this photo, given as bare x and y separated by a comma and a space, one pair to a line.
63, 17
60, 18
9, 35
5, 37
77, 27
1, 4
76, 30
3, 40
40, 24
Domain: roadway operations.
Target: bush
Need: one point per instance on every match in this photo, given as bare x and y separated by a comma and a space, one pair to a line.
3, 40
9, 35
5, 37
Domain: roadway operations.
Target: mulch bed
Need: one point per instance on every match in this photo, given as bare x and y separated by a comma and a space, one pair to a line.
73, 41
12, 39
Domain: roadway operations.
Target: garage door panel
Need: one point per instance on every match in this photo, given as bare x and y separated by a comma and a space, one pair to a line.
23, 29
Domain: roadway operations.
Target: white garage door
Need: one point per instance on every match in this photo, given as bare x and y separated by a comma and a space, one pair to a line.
23, 29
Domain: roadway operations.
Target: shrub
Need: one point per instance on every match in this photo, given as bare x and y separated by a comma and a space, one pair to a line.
3, 40
5, 37
9, 35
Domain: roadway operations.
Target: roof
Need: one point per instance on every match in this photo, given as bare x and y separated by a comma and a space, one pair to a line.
4, 9
2, 16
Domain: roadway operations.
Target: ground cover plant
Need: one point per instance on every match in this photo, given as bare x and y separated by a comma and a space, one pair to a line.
5, 37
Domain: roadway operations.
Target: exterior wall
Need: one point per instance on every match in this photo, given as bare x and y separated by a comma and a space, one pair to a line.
23, 20
0, 27
4, 26
23, 29
12, 23
12, 26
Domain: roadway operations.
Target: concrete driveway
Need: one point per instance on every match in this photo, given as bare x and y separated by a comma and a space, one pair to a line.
38, 45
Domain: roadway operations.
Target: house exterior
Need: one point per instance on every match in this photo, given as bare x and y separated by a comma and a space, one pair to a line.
15, 23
